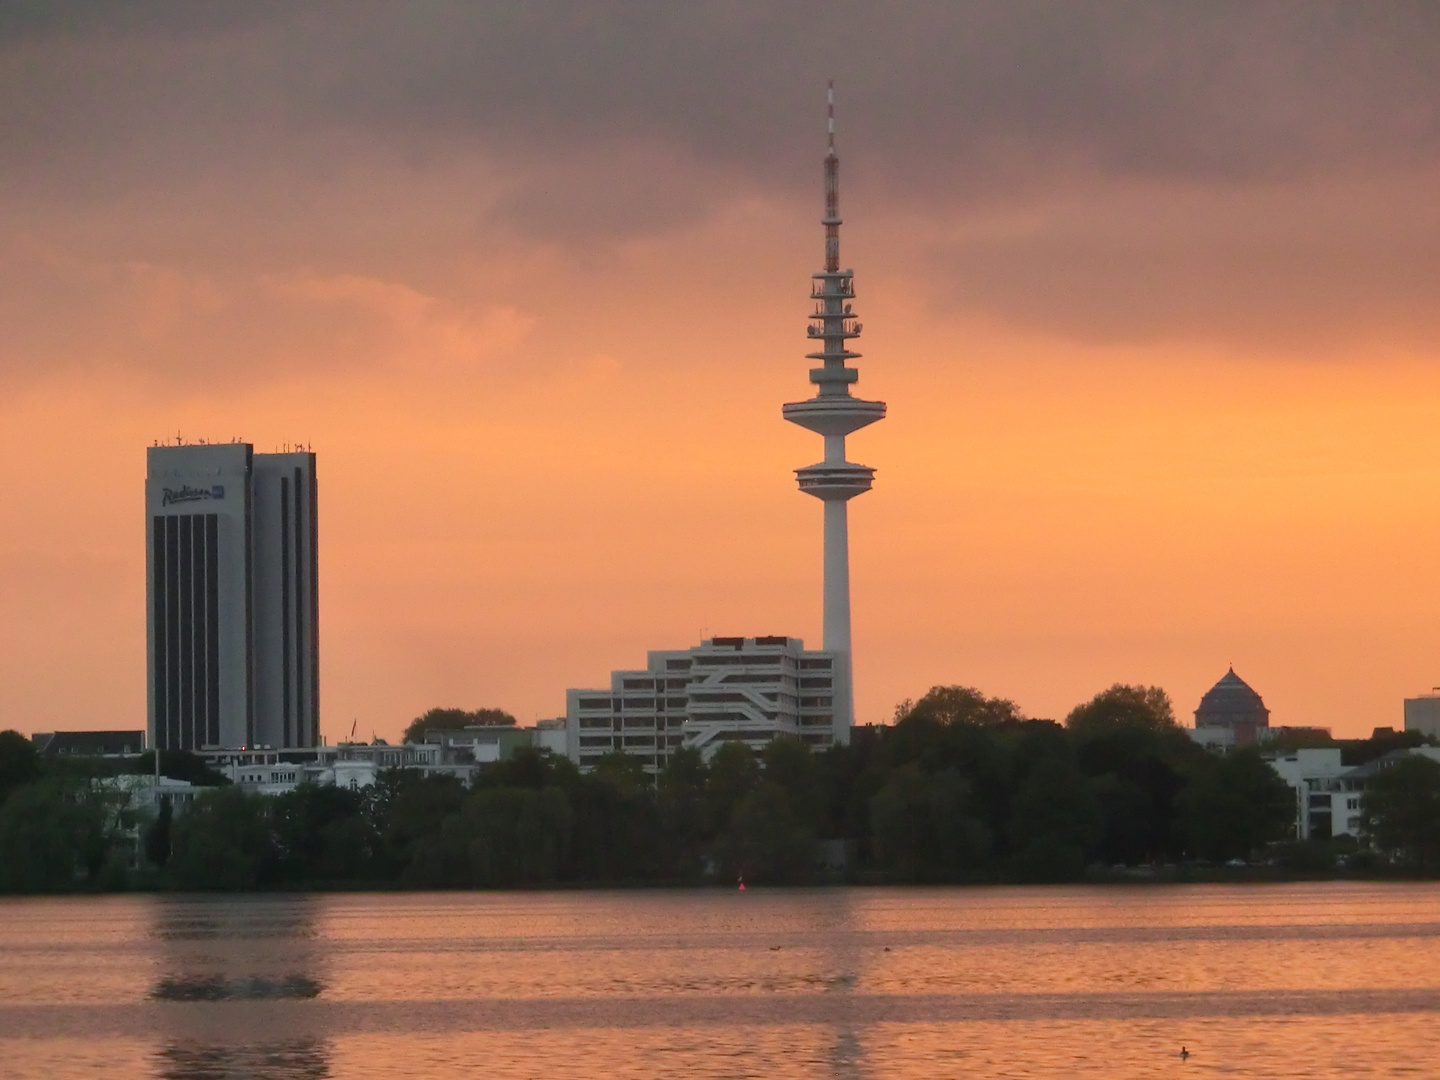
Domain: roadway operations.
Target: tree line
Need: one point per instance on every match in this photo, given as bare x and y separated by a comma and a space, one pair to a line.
960, 788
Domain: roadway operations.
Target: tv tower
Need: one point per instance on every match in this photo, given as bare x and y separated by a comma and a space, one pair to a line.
834, 413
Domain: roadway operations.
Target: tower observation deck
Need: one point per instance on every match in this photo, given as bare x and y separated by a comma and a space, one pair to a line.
834, 413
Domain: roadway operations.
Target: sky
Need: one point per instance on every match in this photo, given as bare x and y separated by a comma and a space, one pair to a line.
1149, 289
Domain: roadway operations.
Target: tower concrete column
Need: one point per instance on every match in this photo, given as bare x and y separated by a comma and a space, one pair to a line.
837, 605
834, 413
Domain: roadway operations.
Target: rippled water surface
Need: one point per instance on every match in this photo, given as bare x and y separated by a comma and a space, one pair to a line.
1327, 980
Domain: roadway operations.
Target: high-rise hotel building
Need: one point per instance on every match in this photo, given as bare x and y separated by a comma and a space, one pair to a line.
232, 586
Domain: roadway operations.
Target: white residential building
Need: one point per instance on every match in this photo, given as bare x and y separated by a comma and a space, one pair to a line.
268, 771
146, 791
1327, 793
272, 771
1327, 800
725, 688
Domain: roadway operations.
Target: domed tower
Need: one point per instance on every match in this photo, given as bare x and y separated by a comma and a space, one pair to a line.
1232, 703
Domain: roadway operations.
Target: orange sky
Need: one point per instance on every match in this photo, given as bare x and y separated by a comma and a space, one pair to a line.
1152, 410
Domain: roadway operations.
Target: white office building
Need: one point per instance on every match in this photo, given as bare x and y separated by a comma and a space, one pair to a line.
1422, 714
725, 688
232, 584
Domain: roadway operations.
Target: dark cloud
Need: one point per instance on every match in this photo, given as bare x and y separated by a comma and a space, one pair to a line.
1328, 271
945, 94
607, 119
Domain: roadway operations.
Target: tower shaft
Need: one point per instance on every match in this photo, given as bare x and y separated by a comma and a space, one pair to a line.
836, 615
834, 413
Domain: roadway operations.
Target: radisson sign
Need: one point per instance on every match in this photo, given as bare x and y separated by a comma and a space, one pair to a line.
170, 496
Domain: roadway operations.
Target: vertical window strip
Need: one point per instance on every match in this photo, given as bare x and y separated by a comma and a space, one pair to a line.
212, 625
298, 555
197, 631
172, 635
186, 629
159, 686
285, 609
312, 614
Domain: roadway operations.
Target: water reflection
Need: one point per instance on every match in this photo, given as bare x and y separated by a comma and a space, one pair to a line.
237, 948
218, 988
306, 1059
1332, 982
846, 962
231, 952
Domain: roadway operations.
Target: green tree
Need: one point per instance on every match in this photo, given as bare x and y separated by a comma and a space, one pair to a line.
406, 807
1400, 811
766, 842
734, 774
57, 835
321, 834
1054, 818
947, 705
455, 720
1135, 768
516, 836
922, 827
222, 842
623, 771
788, 763
1122, 706
529, 768
680, 803
19, 762
1233, 805
157, 834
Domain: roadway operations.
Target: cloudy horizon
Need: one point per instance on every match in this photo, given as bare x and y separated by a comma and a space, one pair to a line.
1148, 289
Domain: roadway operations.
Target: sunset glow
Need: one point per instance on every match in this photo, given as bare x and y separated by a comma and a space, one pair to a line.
1158, 339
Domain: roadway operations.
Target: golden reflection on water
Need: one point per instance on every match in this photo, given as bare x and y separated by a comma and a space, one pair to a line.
1326, 980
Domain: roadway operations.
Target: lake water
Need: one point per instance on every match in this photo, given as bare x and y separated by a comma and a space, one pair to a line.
1311, 980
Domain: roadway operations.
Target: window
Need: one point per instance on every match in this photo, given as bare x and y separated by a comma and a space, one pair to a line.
815, 683
639, 684
814, 702
766, 677
639, 740
1352, 804
639, 721
813, 664
677, 665
640, 703
595, 722
595, 703
675, 703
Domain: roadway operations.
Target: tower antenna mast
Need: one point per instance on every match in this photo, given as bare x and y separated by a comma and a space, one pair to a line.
834, 413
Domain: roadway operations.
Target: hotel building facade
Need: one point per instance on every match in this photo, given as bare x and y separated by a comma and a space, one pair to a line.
232, 587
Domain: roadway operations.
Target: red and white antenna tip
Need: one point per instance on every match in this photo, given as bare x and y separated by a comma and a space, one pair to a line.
830, 110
